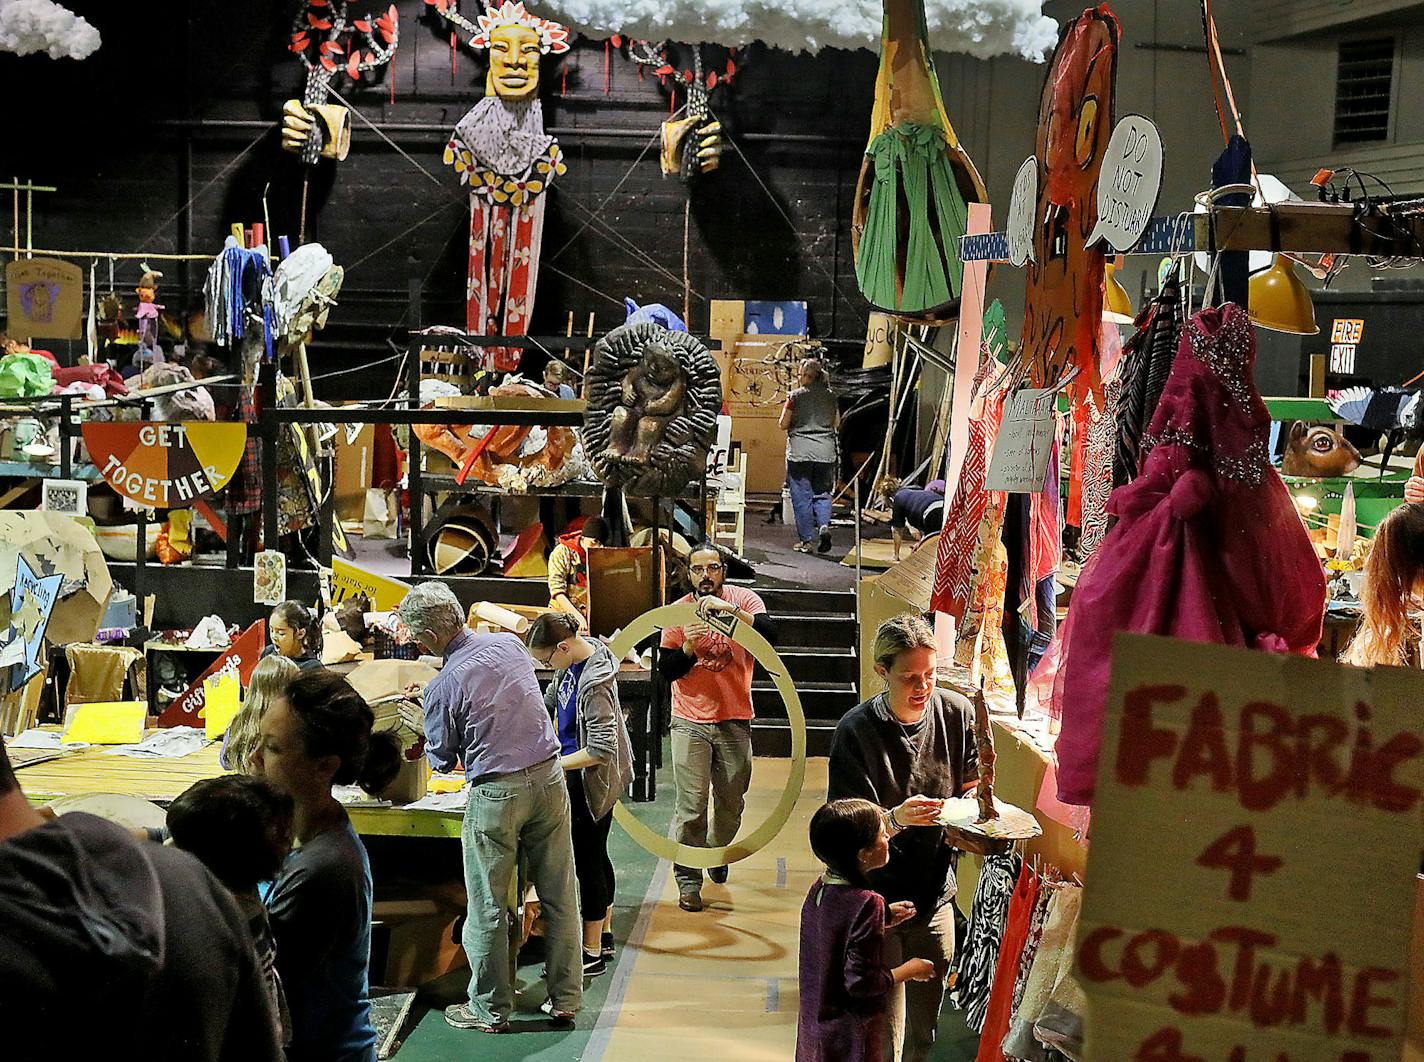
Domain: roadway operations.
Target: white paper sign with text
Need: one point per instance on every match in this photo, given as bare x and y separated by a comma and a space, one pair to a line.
1129, 183
1025, 442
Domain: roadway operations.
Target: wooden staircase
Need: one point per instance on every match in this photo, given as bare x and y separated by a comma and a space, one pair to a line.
817, 640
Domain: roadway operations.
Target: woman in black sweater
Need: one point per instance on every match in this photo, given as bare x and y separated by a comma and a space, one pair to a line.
907, 750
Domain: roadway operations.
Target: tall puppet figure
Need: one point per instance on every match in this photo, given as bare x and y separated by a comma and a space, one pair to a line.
501, 150
1064, 307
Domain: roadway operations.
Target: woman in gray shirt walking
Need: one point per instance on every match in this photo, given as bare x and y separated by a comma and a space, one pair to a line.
811, 419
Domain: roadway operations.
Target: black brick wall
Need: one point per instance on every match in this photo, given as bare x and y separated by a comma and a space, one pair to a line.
181, 102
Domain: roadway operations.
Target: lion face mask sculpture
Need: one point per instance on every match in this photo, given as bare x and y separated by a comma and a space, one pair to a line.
653, 400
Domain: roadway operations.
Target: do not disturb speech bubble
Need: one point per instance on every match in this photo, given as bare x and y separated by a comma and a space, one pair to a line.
1021, 212
1129, 183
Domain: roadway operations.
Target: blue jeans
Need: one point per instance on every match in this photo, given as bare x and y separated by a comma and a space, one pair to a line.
523, 813
810, 483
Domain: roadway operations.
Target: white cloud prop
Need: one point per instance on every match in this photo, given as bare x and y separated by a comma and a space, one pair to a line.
28, 26
982, 28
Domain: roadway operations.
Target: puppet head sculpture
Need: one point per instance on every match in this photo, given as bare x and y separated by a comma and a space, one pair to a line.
1064, 308
1318, 451
512, 457
653, 400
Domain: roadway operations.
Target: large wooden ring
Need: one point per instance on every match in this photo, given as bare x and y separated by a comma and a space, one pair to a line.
743, 634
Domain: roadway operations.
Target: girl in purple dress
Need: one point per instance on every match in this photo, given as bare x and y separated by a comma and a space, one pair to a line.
845, 981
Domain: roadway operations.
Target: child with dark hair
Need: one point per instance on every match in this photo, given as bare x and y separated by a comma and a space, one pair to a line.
295, 631
318, 734
240, 828
845, 982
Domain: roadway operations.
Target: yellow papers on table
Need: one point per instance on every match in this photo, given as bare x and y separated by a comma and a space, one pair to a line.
104, 723
222, 700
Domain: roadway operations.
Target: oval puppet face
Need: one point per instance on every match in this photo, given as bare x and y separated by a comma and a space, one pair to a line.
1318, 452
514, 62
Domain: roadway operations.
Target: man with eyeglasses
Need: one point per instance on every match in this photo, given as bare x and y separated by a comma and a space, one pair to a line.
711, 678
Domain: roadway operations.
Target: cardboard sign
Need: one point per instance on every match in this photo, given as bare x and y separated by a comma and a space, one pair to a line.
1252, 873
222, 700
1025, 442
44, 298
240, 657
349, 580
721, 450
1021, 212
1129, 183
165, 464
31, 603
1345, 336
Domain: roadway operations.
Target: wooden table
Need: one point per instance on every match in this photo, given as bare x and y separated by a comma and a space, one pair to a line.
97, 770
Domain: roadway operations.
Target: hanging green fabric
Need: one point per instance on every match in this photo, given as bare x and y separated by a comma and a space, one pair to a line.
911, 202
912, 166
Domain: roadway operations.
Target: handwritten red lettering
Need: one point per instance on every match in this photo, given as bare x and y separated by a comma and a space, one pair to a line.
1165, 1045
1362, 1000
1090, 954
1142, 742
1235, 850
1264, 727
1204, 748
1160, 948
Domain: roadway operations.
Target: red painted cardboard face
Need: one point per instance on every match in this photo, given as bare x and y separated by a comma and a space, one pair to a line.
1063, 310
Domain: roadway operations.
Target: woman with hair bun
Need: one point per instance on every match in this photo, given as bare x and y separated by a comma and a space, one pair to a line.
317, 734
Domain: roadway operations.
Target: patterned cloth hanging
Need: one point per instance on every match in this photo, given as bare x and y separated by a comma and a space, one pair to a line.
1001, 996
1052, 960
954, 559
1098, 468
980, 956
1146, 362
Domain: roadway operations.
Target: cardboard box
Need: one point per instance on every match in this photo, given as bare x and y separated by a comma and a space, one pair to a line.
355, 453
758, 434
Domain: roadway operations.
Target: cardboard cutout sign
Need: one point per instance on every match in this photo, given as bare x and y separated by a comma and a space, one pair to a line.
165, 464
1021, 212
1254, 847
1129, 184
349, 580
45, 298
31, 603
241, 657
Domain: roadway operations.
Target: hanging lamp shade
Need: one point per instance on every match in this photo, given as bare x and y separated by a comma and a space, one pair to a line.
1117, 307
1280, 302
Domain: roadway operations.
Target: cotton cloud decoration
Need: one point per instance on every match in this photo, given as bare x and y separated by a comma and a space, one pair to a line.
982, 28
28, 26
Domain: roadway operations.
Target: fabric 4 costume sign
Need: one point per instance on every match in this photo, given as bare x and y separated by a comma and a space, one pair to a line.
501, 151
168, 464
1252, 875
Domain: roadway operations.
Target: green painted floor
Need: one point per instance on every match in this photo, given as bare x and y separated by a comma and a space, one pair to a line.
431, 1039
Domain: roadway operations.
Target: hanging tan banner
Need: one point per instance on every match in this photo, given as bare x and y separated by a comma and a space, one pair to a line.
1255, 841
44, 299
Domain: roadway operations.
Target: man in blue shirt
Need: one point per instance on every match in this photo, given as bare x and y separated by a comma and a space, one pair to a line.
485, 710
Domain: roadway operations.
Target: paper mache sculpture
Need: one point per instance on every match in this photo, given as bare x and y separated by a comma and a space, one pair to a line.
515, 458
326, 41
653, 400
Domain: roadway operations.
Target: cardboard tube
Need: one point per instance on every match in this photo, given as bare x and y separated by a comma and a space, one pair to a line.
499, 616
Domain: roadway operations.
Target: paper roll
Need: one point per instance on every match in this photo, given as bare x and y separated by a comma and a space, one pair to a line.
501, 617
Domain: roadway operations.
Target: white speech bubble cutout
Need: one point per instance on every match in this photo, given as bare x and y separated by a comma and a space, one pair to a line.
1022, 207
1129, 183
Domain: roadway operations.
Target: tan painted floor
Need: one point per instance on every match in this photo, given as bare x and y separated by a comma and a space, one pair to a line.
721, 984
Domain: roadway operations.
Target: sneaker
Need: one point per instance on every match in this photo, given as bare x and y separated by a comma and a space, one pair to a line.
718, 874
462, 1017
558, 1015
605, 951
593, 964
802, 547
824, 546
690, 901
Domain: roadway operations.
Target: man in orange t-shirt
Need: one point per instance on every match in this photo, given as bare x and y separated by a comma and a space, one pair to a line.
711, 678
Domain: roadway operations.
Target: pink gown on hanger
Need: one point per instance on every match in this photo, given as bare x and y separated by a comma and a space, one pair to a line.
1208, 545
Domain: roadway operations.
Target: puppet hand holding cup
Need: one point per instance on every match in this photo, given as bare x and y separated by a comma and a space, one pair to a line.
333, 123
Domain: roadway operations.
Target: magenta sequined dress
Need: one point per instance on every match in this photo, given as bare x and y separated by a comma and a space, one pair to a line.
1208, 545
